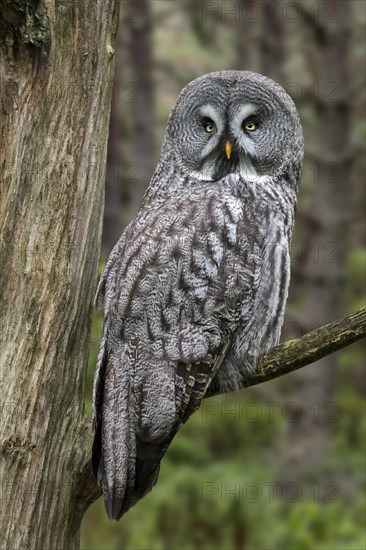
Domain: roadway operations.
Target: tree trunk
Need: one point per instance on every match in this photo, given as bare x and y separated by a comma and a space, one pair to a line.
56, 80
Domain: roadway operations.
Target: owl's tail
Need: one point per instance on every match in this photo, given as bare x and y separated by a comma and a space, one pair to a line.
125, 464
115, 443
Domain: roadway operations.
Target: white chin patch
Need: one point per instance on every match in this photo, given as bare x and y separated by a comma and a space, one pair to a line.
202, 176
245, 170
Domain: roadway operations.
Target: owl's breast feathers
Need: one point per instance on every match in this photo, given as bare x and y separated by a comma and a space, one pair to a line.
180, 292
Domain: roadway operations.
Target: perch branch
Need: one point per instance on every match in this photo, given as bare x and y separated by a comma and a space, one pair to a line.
280, 360
294, 354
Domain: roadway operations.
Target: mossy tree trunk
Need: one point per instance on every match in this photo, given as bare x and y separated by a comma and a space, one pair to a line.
56, 79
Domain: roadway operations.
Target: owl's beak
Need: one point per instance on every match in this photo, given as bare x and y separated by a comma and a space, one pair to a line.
228, 149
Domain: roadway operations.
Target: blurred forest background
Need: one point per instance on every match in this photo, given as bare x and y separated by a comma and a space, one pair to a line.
280, 465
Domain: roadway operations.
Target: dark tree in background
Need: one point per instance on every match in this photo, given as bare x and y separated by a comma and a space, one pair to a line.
324, 224
131, 146
113, 191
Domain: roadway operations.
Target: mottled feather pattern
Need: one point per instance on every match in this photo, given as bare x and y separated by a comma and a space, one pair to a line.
193, 293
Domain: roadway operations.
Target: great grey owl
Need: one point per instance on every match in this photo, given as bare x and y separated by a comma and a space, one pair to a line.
195, 289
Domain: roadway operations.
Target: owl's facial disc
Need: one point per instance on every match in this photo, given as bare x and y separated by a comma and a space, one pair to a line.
235, 122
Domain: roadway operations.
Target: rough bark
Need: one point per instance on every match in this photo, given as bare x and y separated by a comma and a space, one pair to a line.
56, 76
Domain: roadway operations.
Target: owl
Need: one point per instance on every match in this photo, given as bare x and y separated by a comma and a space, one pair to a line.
194, 291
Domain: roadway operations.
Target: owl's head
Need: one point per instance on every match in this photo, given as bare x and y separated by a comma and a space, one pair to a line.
236, 122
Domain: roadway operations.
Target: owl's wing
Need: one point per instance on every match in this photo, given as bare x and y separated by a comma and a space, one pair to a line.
109, 269
172, 301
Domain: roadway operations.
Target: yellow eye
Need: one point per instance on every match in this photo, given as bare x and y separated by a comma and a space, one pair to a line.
250, 126
209, 126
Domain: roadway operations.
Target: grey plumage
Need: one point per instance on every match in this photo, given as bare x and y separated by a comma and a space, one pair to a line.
195, 289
